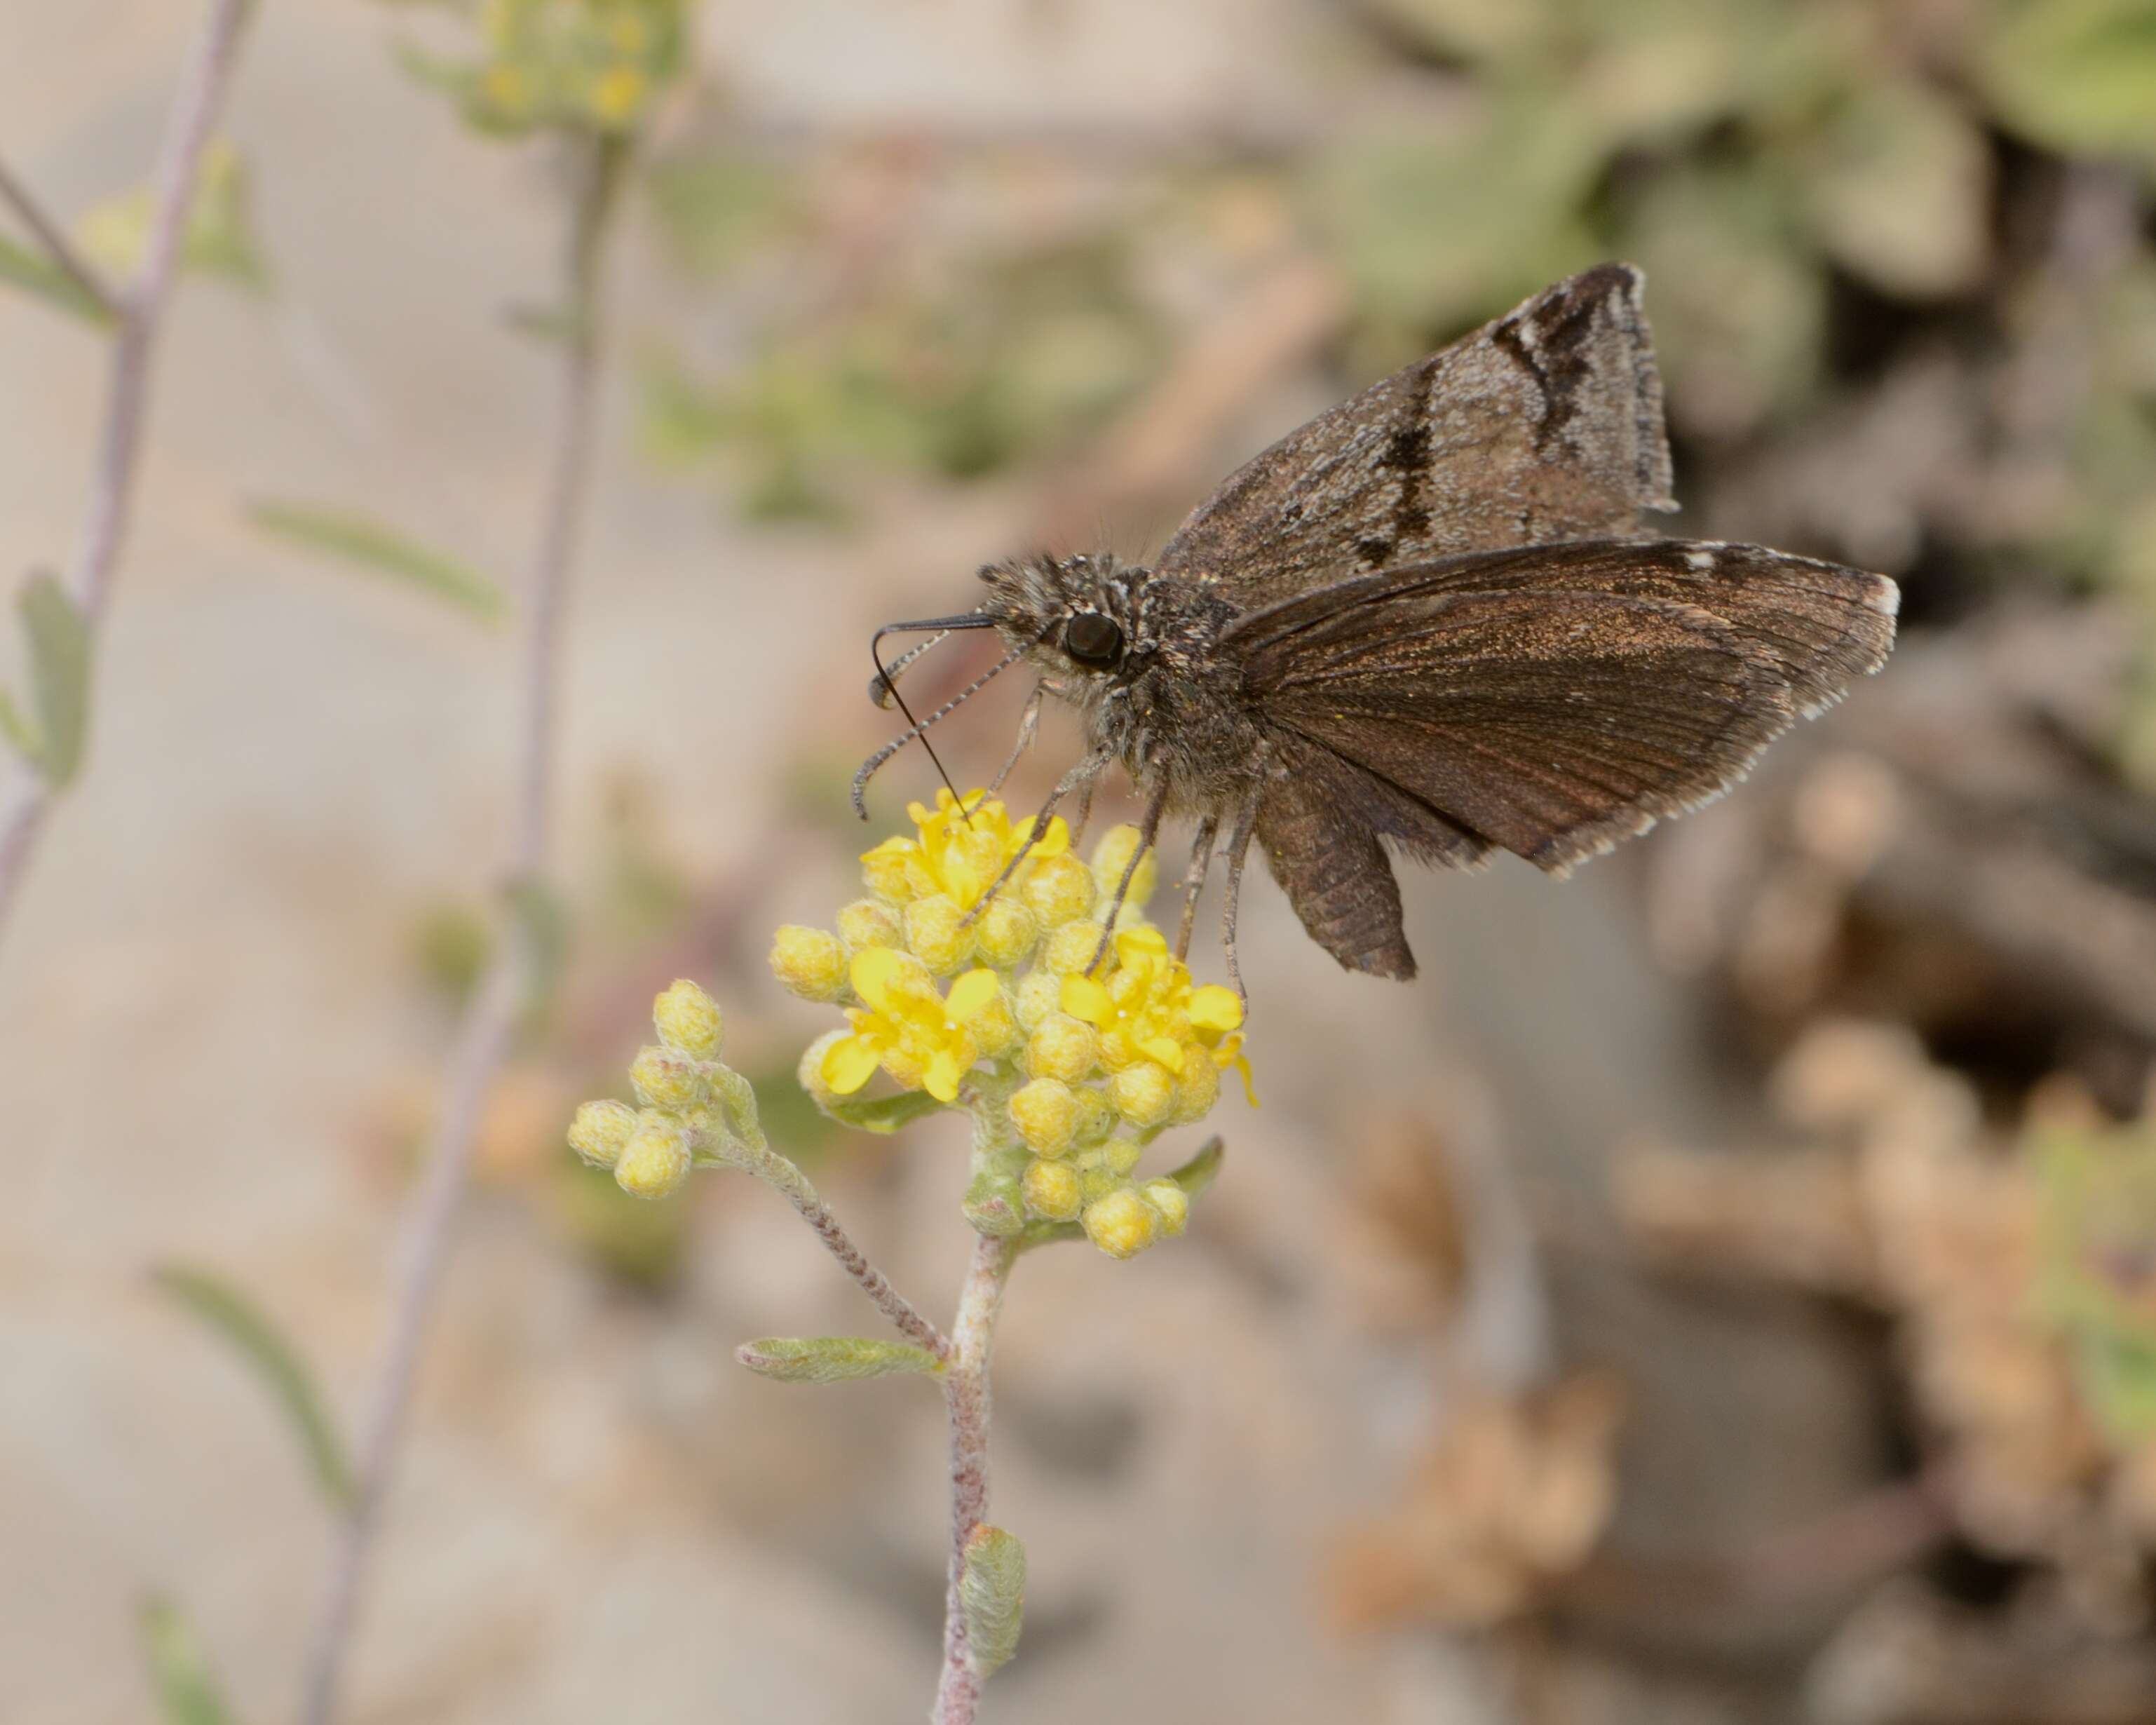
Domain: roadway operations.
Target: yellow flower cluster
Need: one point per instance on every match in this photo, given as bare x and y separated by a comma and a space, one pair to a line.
591, 63
1083, 1063
686, 1092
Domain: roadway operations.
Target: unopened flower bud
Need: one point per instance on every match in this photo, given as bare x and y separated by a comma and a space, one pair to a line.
666, 1078
1094, 1120
1005, 931
688, 1020
654, 1162
993, 1028
1142, 1094
1071, 948
1197, 1087
1053, 1191
1112, 856
1170, 1203
864, 922
894, 872
1122, 1224
1037, 993
600, 1130
1045, 1113
1062, 1047
1058, 889
809, 962
937, 934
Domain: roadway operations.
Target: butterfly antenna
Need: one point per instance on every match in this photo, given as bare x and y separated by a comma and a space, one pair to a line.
920, 726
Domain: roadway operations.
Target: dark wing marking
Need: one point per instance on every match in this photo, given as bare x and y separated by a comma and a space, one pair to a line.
1550, 701
1545, 425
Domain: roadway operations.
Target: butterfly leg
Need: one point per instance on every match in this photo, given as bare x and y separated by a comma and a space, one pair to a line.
1029, 722
1148, 827
1239, 849
1193, 880
1085, 813
1082, 775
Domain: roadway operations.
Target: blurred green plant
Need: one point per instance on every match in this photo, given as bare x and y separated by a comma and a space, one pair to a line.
574, 65
1022, 354
2097, 1277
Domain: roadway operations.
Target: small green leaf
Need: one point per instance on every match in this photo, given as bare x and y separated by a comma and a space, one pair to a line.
1195, 1175
992, 1593
275, 1360
832, 1359
360, 540
16, 729
37, 274
881, 1114
59, 676
186, 1692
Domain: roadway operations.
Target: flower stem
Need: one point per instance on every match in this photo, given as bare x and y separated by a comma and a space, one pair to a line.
782, 1174
966, 1395
141, 308
484, 1038
58, 247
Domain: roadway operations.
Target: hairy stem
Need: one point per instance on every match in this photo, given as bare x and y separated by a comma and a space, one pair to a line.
789, 1179
142, 303
483, 1039
966, 1397
51, 235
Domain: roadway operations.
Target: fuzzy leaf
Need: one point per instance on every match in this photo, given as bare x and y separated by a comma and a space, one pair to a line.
59, 676
367, 543
833, 1359
262, 1346
186, 1692
992, 1593
36, 274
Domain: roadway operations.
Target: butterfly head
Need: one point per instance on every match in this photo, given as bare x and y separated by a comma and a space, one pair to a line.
1078, 619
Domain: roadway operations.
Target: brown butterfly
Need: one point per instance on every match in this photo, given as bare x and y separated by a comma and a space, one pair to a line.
1427, 622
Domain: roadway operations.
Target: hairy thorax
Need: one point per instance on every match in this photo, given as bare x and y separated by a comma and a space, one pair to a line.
1165, 702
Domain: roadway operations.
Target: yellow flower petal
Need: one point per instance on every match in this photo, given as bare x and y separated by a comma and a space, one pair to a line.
848, 1064
880, 976
1134, 946
1085, 998
945, 1069
970, 993
1054, 842
1166, 1049
1214, 1007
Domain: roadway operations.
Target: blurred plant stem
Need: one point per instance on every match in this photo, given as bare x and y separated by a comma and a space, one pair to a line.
483, 1039
141, 307
966, 1394
58, 248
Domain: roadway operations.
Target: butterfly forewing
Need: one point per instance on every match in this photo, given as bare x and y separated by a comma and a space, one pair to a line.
1545, 424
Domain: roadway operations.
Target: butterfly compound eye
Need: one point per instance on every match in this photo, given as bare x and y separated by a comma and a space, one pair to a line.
1093, 640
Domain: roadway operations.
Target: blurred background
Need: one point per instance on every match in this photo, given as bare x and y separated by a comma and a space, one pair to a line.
1722, 1289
